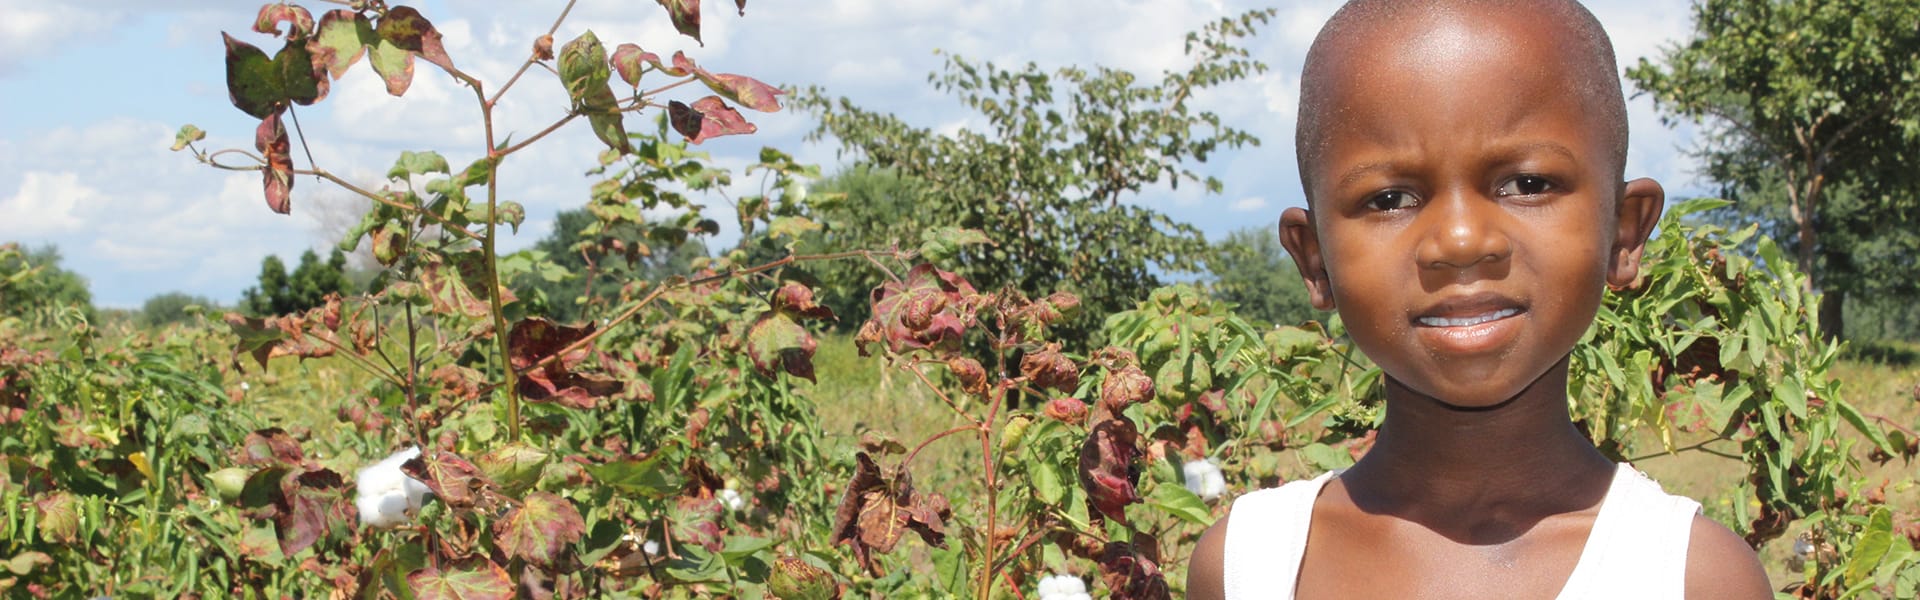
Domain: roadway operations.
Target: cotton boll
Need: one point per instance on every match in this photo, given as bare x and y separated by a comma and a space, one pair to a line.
732, 499
1061, 587
1205, 480
385, 495
651, 547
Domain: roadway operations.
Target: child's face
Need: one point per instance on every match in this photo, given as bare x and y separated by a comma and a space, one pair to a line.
1466, 213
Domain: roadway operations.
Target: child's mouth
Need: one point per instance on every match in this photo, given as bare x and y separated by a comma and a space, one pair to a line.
1468, 321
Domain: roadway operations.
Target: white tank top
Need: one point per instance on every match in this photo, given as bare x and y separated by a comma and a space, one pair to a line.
1637, 549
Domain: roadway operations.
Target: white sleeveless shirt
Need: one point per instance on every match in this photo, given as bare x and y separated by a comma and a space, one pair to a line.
1637, 549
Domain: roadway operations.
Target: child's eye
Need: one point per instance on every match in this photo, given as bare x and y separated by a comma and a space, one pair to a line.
1526, 185
1391, 200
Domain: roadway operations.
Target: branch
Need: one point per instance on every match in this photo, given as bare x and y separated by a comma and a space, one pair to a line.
543, 133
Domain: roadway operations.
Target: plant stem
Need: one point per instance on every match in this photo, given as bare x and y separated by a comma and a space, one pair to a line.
543, 133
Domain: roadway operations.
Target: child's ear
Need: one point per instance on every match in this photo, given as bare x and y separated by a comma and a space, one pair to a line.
1637, 213
1303, 244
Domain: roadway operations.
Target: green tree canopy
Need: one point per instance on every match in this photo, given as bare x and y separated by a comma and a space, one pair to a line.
1047, 178
171, 307
599, 264
1252, 271
1811, 111
32, 284
279, 293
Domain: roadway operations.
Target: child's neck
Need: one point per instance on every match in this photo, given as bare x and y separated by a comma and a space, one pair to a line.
1480, 476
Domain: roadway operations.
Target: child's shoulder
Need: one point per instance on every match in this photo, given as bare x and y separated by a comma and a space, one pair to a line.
1279, 516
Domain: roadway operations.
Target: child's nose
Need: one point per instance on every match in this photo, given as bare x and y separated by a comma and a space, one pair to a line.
1461, 231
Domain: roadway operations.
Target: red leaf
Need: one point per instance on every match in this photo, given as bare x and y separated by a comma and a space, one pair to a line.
272, 15
1048, 368
270, 446
405, 28
776, 341
629, 60
972, 376
478, 580
534, 339
744, 90
277, 178
1107, 469
312, 503
686, 17
1066, 410
1132, 575
59, 517
451, 478
930, 309
796, 300
540, 528
1125, 387
708, 118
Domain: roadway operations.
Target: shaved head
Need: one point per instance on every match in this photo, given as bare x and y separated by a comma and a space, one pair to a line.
1583, 57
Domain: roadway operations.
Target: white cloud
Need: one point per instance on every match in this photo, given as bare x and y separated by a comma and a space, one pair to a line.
46, 203
1249, 204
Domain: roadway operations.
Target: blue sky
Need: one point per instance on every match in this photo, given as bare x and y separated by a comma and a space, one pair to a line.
94, 89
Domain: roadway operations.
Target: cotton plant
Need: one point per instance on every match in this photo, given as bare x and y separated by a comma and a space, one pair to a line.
386, 496
1204, 479
1062, 587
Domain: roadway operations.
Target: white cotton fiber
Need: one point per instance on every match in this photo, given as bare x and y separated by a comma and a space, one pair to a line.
1204, 479
386, 496
1062, 587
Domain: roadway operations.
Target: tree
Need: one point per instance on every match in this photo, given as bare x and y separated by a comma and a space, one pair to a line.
1814, 106
171, 307
308, 286
1252, 271
1047, 178
600, 263
32, 283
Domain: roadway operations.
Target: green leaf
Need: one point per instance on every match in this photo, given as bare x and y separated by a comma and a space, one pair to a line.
739, 547
584, 72
696, 565
1872, 546
302, 80
394, 64
540, 528
343, 36
188, 134
776, 342
647, 478
25, 562
1326, 458
417, 163
1181, 502
1046, 483
942, 244
791, 227
253, 83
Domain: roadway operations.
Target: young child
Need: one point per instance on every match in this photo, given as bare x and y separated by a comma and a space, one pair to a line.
1463, 163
